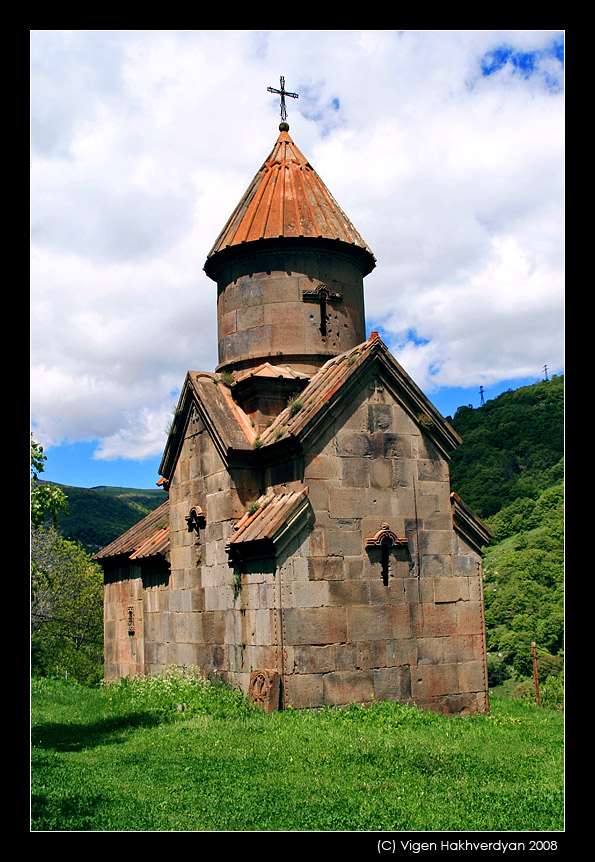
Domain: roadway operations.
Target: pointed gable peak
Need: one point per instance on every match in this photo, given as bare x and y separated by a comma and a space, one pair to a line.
287, 200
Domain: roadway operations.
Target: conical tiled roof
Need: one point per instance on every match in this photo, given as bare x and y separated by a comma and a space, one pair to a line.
288, 200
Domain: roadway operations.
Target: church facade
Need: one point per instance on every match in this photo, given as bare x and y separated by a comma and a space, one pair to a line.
311, 549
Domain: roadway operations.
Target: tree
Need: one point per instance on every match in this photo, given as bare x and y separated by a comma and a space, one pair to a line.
66, 606
66, 589
44, 498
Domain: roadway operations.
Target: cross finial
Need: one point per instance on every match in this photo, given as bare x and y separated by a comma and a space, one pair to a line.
282, 92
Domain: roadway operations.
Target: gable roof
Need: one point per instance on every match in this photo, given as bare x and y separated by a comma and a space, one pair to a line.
229, 427
339, 378
298, 425
266, 528
288, 200
468, 524
148, 538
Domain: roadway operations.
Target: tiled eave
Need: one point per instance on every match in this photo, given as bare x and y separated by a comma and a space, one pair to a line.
265, 529
148, 538
468, 524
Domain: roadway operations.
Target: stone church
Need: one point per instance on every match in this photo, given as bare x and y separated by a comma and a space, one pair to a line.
310, 549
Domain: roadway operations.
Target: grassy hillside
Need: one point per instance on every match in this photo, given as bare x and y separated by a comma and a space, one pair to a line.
97, 516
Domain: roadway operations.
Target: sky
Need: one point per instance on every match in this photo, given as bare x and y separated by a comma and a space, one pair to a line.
444, 147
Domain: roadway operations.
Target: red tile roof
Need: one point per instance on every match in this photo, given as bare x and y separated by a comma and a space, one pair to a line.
148, 538
334, 381
287, 199
275, 512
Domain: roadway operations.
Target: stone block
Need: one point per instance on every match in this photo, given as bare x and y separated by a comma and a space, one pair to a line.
263, 634
314, 659
318, 493
322, 467
428, 681
401, 651
343, 687
220, 506
382, 473
355, 472
434, 470
450, 589
469, 618
392, 683
465, 564
344, 503
367, 623
432, 542
352, 592
353, 568
344, 543
439, 620
371, 654
345, 656
380, 417
303, 691
472, 676
436, 566
353, 444
197, 599
249, 317
315, 625
311, 594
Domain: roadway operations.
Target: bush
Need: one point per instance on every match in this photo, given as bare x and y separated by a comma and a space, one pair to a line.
178, 691
498, 671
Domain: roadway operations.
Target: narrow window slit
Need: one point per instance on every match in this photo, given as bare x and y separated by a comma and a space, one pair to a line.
385, 561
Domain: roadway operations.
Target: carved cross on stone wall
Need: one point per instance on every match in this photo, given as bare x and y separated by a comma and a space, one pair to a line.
322, 294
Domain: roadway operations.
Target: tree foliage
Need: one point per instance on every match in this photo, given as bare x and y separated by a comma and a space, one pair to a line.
45, 498
66, 589
66, 606
512, 447
510, 469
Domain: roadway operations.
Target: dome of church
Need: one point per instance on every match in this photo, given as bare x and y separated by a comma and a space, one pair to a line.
288, 200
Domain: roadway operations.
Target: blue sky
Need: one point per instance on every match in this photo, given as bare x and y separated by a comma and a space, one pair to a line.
444, 147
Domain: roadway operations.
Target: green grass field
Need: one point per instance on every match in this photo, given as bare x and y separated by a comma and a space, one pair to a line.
122, 758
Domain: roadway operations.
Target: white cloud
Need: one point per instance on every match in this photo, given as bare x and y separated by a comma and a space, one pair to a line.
143, 142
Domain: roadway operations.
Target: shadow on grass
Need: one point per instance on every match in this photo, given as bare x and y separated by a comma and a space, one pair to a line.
77, 737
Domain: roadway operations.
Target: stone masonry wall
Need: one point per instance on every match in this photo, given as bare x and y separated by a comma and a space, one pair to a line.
348, 636
324, 613
123, 623
262, 315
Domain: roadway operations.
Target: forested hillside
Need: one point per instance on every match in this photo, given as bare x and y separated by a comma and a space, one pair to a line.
97, 516
512, 447
510, 469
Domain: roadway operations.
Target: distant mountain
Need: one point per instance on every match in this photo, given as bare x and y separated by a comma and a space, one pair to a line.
97, 516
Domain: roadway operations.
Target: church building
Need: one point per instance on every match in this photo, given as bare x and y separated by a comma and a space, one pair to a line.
310, 549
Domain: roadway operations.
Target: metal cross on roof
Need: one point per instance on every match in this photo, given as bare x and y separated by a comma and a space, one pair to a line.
282, 92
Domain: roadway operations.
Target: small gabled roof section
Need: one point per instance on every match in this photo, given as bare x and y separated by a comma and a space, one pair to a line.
287, 200
148, 538
225, 421
267, 369
265, 529
338, 379
468, 524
